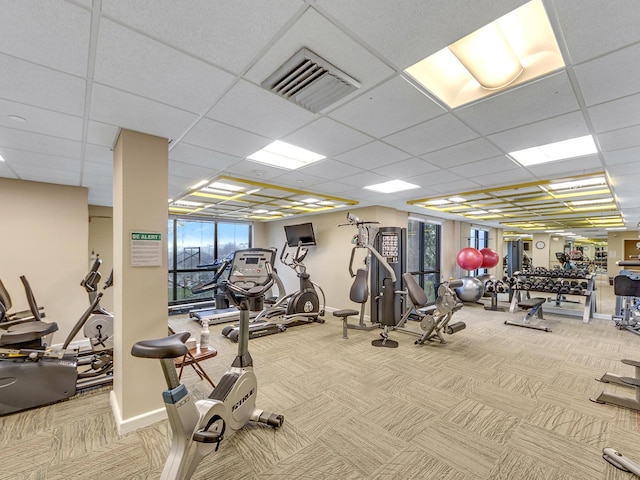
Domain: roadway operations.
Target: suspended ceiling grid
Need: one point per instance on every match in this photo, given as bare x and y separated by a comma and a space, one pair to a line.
534, 206
236, 198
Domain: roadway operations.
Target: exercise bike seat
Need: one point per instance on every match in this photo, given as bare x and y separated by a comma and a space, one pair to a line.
166, 347
20, 333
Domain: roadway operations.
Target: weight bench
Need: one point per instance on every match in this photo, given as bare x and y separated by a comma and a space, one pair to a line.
534, 305
619, 400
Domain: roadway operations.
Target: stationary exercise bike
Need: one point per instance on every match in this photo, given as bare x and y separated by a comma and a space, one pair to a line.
199, 427
35, 376
33, 373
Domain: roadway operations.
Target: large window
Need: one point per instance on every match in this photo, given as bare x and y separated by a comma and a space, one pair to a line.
423, 255
193, 247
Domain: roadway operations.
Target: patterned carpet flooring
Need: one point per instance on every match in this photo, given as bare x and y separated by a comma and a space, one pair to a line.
496, 402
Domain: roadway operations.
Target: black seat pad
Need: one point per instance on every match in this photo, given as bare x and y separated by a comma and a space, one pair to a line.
531, 302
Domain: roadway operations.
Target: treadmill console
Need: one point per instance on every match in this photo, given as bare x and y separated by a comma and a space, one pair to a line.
249, 267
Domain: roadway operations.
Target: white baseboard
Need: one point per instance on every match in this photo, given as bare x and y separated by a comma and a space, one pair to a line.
132, 424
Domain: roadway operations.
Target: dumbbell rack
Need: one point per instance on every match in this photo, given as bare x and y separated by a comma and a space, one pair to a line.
539, 280
493, 287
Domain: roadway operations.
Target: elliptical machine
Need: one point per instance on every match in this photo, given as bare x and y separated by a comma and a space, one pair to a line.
297, 308
199, 427
302, 306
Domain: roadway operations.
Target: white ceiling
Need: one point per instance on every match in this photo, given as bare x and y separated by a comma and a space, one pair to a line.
190, 70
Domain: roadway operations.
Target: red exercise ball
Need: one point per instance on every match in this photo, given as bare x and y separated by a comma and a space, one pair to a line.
469, 258
490, 258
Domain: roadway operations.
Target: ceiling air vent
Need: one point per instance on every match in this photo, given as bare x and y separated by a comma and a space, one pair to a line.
310, 81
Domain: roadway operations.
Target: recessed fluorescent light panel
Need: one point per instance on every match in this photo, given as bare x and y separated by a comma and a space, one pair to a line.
514, 49
284, 155
587, 182
551, 152
392, 186
226, 187
591, 202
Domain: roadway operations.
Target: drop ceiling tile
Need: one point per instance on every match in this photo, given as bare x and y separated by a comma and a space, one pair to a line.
620, 157
545, 98
496, 166
186, 170
62, 34
372, 155
335, 188
466, 152
431, 179
406, 169
136, 113
34, 142
134, 63
388, 108
327, 137
621, 170
518, 175
40, 120
405, 32
298, 179
253, 108
93, 172
191, 154
99, 154
562, 127
41, 87
591, 28
229, 35
257, 172
102, 134
630, 181
610, 77
432, 135
19, 159
329, 169
223, 138
450, 188
6, 171
618, 139
323, 38
35, 174
567, 167
616, 114
364, 179
100, 198
179, 185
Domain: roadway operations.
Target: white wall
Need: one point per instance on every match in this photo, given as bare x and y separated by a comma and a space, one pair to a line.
44, 237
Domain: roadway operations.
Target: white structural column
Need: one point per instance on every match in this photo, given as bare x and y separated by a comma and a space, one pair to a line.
140, 185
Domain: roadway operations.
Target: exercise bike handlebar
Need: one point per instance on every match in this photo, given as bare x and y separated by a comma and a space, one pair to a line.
91, 280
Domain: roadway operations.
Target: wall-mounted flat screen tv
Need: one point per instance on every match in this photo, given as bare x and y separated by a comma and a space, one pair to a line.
301, 234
